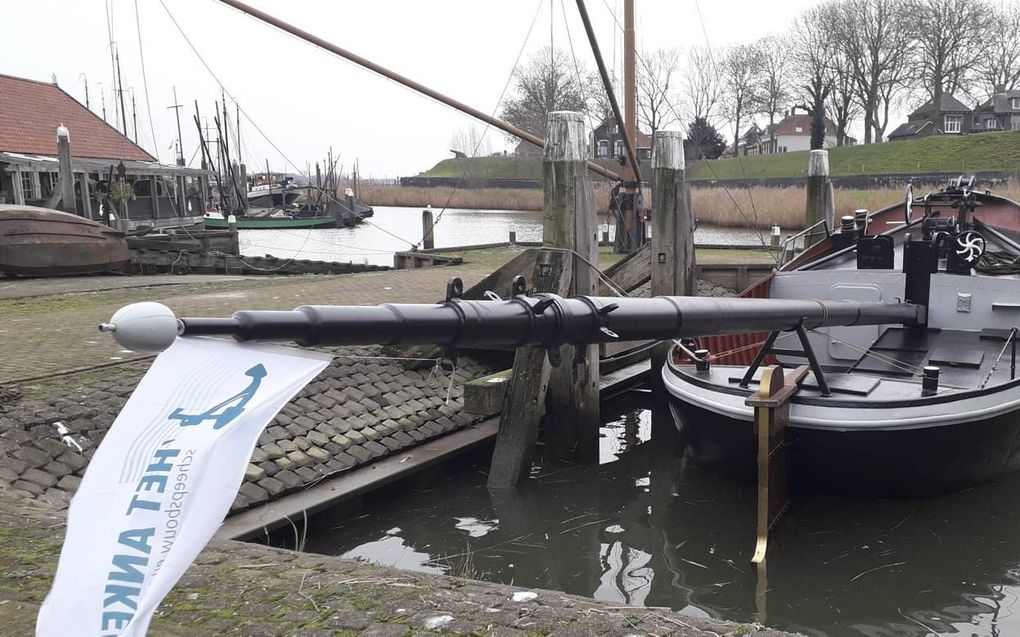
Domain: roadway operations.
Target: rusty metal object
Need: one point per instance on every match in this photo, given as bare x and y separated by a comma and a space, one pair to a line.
44, 242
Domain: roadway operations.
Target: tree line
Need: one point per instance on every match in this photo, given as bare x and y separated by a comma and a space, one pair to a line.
848, 60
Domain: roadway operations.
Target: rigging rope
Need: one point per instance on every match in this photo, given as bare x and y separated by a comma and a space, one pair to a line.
499, 101
145, 83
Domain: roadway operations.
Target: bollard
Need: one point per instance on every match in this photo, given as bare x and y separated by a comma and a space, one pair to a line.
427, 225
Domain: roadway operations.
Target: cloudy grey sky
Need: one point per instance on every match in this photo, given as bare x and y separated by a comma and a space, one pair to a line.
306, 100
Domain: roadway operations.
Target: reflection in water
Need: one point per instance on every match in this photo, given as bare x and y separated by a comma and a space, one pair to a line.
647, 528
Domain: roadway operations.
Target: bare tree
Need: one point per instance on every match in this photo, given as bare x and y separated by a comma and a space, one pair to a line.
949, 40
1000, 64
655, 76
776, 72
472, 141
547, 82
740, 69
813, 48
875, 35
842, 105
700, 86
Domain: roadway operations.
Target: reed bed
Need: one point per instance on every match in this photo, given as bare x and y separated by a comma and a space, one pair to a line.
478, 199
734, 207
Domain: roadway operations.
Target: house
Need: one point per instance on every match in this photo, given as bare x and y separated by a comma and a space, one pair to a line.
1000, 112
791, 133
951, 117
607, 141
163, 196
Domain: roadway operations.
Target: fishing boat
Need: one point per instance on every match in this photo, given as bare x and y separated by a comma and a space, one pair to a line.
43, 242
886, 409
215, 221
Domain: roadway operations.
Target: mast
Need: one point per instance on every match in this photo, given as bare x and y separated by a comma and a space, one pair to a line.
120, 93
629, 86
134, 117
177, 113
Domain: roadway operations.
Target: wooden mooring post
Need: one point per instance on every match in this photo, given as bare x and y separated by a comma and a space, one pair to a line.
672, 268
567, 392
428, 241
820, 204
66, 176
569, 223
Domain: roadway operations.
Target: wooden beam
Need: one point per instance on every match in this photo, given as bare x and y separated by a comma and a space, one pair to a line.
525, 399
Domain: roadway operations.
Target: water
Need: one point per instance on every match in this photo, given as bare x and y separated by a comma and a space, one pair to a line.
393, 229
648, 528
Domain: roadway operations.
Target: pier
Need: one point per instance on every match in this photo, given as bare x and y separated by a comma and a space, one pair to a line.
366, 421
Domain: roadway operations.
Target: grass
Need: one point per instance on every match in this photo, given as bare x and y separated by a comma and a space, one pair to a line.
939, 154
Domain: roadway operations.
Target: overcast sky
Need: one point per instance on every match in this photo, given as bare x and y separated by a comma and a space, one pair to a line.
305, 99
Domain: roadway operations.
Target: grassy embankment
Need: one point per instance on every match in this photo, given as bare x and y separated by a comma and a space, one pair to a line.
761, 206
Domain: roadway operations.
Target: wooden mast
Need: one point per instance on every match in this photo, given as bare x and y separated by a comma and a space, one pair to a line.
629, 88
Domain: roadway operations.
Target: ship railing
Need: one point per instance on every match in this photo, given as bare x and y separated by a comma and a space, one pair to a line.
794, 244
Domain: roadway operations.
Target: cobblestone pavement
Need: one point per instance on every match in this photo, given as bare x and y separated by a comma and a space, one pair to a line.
48, 334
246, 589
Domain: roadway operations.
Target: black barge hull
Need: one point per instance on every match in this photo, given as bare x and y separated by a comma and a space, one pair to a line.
894, 463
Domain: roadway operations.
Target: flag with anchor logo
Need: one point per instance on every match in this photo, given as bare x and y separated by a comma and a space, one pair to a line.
163, 479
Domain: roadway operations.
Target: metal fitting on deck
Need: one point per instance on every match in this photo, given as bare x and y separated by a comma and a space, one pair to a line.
701, 363
930, 381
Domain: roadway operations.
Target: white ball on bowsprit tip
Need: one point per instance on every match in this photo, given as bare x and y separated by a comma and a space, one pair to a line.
143, 327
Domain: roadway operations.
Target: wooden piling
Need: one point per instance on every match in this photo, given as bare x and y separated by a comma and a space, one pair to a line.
817, 188
427, 226
525, 399
569, 223
66, 177
673, 262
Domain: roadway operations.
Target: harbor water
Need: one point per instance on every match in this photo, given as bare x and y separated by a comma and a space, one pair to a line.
394, 229
648, 528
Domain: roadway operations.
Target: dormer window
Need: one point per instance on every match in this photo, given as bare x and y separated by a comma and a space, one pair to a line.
799, 129
952, 124
1015, 103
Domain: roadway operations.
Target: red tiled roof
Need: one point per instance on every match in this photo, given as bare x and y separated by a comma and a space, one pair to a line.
30, 112
790, 124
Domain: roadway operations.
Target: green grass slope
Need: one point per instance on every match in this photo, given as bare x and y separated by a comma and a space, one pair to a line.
938, 154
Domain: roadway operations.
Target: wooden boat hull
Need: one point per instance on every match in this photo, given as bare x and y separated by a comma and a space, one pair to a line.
886, 463
44, 242
213, 223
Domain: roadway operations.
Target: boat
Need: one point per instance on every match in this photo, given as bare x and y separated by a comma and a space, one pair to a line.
887, 410
44, 242
215, 221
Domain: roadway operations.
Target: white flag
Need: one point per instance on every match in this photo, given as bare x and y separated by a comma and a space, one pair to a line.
164, 478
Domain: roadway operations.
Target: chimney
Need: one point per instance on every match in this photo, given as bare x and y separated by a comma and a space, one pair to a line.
1000, 89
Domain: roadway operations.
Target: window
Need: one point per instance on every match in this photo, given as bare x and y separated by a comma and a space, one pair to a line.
26, 185
952, 124
1014, 122
1015, 103
991, 123
618, 148
799, 129
603, 148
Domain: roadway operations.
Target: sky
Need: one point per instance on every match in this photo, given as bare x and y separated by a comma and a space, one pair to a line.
305, 100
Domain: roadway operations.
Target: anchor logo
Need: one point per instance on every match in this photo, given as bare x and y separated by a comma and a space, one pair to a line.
226, 411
